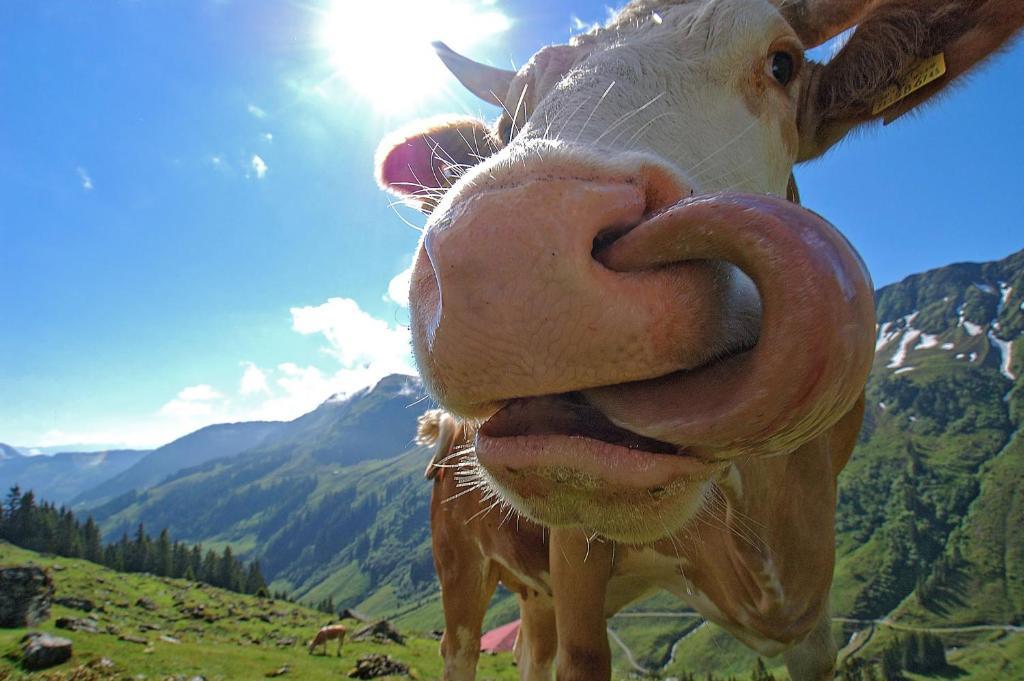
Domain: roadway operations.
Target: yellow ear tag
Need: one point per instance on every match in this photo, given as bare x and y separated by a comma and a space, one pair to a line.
925, 72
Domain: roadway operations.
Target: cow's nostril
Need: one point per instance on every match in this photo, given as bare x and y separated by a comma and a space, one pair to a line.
605, 238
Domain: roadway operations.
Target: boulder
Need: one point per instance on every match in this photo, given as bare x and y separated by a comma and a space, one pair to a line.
26, 593
42, 651
73, 624
146, 604
381, 631
75, 603
375, 666
128, 638
349, 613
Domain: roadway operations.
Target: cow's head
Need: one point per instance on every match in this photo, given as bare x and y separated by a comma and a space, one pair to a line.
610, 282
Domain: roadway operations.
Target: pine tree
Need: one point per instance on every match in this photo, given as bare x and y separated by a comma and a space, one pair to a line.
141, 549
761, 673
254, 582
195, 562
209, 571
92, 543
23, 520
163, 563
892, 663
228, 572
179, 559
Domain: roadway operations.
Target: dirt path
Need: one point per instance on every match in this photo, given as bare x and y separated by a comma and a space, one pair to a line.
627, 652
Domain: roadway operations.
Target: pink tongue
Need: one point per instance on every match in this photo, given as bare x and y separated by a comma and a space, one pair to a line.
815, 348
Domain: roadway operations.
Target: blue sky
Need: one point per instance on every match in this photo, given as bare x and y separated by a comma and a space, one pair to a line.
190, 231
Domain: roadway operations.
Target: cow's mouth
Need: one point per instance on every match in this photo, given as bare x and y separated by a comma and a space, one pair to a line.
568, 415
563, 436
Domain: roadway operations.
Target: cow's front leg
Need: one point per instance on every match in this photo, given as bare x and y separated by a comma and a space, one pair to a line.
814, 658
466, 589
537, 642
580, 570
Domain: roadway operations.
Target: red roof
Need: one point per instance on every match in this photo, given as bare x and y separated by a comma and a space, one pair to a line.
500, 640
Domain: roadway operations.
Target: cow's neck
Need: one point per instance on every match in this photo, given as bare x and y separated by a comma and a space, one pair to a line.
759, 557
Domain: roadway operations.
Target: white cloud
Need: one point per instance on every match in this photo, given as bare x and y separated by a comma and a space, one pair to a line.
268, 136
194, 401
398, 288
199, 393
355, 337
254, 381
256, 111
259, 166
83, 176
365, 348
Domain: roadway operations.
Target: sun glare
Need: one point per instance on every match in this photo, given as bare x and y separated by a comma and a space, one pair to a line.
382, 50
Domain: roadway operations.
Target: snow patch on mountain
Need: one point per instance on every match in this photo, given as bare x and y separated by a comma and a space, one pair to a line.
985, 288
927, 341
886, 335
972, 328
1005, 290
1006, 355
900, 355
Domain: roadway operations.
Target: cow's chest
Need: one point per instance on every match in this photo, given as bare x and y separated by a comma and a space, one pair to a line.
757, 589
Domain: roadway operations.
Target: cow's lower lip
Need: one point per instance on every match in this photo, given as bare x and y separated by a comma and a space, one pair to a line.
560, 436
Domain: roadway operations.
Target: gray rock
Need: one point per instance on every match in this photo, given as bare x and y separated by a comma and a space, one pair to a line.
146, 604
128, 638
72, 624
26, 593
75, 603
381, 632
42, 651
374, 666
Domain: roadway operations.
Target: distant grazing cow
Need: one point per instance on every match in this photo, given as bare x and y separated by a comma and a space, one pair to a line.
328, 633
661, 350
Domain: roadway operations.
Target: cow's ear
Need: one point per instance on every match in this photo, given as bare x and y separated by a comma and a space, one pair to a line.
420, 162
902, 54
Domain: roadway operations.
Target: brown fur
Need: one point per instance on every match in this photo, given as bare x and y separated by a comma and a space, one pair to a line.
475, 549
329, 633
890, 41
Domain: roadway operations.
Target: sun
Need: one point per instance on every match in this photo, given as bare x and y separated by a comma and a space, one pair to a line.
382, 49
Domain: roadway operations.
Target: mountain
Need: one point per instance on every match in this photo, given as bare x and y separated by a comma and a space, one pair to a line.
204, 445
61, 477
338, 489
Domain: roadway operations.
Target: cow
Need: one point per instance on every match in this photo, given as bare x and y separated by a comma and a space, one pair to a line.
665, 356
476, 545
328, 633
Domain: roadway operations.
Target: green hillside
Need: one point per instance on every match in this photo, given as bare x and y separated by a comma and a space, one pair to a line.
188, 628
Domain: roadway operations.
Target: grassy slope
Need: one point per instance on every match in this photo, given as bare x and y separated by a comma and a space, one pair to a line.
237, 645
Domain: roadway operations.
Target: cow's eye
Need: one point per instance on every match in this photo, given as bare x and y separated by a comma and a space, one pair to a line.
783, 67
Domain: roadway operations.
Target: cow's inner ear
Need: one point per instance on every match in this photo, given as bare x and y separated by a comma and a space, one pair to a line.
902, 54
421, 162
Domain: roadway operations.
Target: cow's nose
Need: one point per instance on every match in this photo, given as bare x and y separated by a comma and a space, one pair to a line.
508, 299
